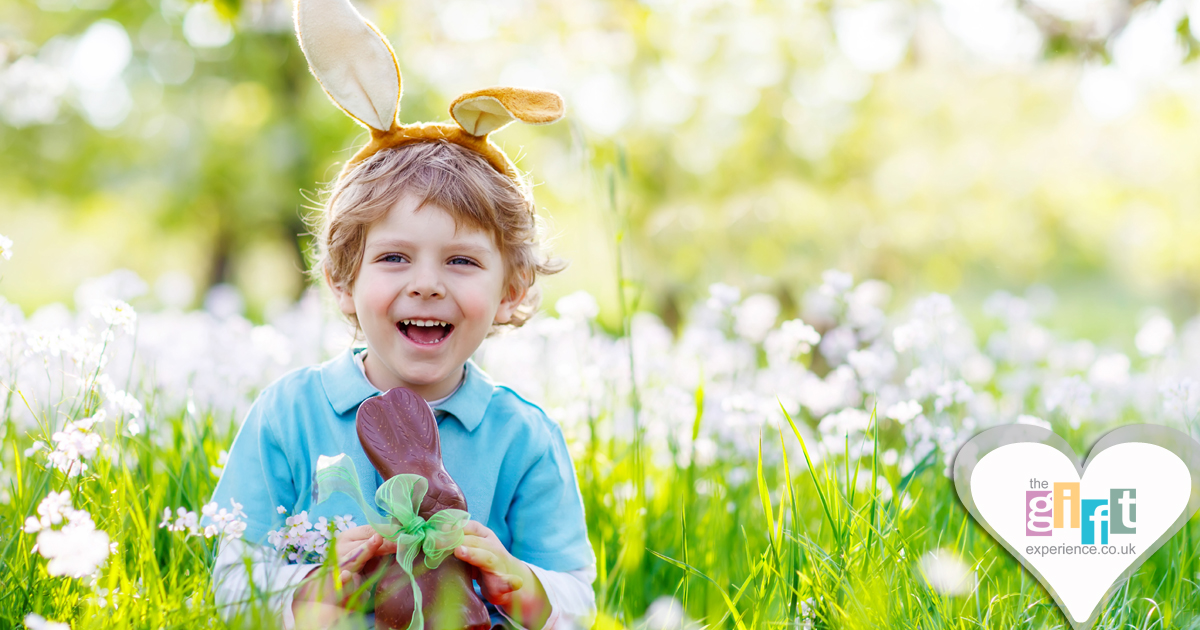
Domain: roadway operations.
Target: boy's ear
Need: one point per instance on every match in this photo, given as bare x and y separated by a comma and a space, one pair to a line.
345, 299
351, 59
510, 301
483, 111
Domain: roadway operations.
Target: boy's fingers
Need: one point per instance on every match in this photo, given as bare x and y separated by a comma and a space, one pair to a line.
355, 559
355, 534
480, 542
479, 557
475, 528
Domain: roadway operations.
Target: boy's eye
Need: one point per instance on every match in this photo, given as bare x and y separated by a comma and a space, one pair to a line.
392, 258
460, 259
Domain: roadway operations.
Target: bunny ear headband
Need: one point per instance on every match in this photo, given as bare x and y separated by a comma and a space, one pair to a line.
358, 70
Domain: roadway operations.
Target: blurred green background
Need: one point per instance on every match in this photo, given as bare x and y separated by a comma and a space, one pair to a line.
960, 146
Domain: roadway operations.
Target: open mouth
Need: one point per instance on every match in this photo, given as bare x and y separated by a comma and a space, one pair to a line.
427, 332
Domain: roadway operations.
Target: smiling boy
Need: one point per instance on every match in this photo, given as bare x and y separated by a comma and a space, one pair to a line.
412, 249
429, 242
426, 296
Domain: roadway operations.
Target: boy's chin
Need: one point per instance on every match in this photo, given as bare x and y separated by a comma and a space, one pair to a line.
418, 376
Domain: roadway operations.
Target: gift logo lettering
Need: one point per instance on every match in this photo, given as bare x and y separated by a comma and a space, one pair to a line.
1060, 506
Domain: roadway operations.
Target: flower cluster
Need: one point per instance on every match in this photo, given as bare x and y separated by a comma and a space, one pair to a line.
117, 314
304, 542
76, 443
121, 402
77, 548
932, 380
222, 522
845, 352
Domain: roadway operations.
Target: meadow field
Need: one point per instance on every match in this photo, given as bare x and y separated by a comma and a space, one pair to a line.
751, 472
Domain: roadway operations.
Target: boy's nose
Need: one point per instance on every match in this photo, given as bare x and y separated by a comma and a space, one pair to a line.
426, 283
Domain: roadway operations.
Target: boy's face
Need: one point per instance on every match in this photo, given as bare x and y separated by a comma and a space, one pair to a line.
417, 267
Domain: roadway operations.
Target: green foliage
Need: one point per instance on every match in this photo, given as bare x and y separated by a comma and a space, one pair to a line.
941, 173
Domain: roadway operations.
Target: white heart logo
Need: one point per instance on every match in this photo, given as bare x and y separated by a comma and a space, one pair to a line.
1082, 531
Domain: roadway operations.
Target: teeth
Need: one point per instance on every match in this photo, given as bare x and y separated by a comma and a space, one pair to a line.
422, 322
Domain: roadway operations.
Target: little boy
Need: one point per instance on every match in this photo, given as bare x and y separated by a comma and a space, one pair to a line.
429, 244
434, 276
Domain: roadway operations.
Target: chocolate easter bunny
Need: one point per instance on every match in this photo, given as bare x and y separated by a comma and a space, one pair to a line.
357, 68
400, 436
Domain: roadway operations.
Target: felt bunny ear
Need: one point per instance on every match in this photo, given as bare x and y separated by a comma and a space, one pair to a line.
351, 59
483, 111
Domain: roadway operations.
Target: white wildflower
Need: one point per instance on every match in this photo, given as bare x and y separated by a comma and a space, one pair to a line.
845, 421
185, 521
52, 510
1155, 336
224, 522
933, 320
73, 551
902, 412
835, 282
874, 365
117, 314
755, 317
952, 392
1072, 396
978, 369
342, 523
34, 621
1110, 371
1181, 399
6, 247
722, 296
1008, 307
947, 573
793, 338
125, 403
578, 306
837, 344
222, 459
665, 613
75, 443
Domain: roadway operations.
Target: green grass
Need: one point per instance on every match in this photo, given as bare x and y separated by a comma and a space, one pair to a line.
733, 562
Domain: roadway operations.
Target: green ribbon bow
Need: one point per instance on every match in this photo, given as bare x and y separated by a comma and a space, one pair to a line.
400, 497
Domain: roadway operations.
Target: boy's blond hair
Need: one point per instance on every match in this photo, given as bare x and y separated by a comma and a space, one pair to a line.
452, 177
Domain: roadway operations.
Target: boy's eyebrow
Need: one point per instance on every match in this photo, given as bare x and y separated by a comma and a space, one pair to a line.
466, 246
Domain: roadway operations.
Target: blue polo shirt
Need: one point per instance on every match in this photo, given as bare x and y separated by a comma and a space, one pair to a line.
508, 457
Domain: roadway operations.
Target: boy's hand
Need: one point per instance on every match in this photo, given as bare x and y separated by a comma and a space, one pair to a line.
355, 547
504, 580
318, 601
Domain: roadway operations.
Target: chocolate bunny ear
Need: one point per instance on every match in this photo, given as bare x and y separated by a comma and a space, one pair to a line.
483, 111
351, 59
399, 435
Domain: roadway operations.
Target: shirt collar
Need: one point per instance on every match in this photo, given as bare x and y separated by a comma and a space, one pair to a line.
345, 387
